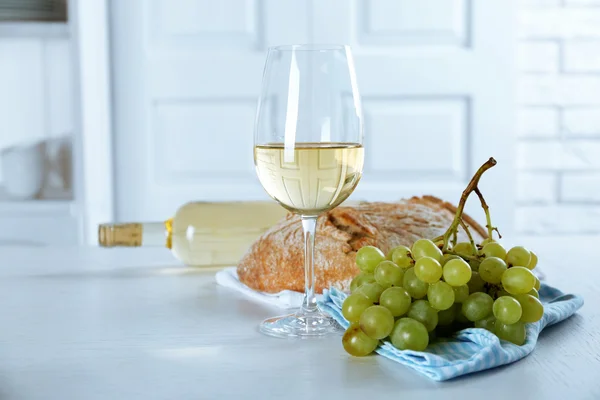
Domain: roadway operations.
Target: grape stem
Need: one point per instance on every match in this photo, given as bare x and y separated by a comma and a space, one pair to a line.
488, 218
464, 256
468, 232
463, 200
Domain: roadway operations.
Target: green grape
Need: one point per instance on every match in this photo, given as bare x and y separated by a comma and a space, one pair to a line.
486, 241
446, 317
440, 295
464, 248
413, 285
501, 293
533, 310
475, 284
507, 310
402, 257
488, 323
388, 274
457, 272
514, 333
518, 280
426, 248
428, 270
372, 290
369, 257
533, 292
492, 269
474, 264
494, 249
409, 334
538, 284
459, 316
395, 299
477, 306
460, 293
377, 322
360, 280
354, 305
533, 262
424, 313
388, 255
518, 256
448, 257
357, 343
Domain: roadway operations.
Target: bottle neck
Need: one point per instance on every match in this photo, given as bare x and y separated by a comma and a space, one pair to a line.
135, 234
155, 234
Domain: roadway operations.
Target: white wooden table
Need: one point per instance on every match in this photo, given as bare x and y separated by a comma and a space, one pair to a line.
89, 323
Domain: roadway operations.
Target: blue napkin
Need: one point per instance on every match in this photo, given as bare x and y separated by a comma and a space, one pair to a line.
470, 350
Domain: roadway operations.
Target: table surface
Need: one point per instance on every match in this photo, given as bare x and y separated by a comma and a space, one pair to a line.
91, 323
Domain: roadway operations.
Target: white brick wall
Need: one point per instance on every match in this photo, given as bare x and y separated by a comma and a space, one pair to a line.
581, 122
558, 120
580, 187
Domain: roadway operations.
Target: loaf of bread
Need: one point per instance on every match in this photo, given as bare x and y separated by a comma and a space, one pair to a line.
275, 261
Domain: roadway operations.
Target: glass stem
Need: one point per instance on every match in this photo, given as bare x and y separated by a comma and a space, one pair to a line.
309, 225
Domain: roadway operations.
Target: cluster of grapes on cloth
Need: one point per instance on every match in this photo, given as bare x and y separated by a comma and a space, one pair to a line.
437, 287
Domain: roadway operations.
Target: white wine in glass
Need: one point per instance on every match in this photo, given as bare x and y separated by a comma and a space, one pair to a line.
308, 153
313, 177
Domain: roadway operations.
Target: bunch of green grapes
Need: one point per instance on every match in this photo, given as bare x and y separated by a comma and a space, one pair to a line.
413, 294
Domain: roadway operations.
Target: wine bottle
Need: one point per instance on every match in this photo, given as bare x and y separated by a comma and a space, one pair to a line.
200, 233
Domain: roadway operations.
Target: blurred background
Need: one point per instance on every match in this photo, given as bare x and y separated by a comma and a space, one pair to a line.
124, 110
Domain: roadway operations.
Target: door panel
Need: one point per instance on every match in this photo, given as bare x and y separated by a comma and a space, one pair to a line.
436, 79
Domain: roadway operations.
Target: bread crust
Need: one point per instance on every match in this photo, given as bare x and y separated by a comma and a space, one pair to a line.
275, 262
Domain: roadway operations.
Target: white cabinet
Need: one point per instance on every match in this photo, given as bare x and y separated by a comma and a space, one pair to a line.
56, 88
36, 106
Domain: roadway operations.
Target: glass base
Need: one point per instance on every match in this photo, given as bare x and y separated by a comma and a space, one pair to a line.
301, 325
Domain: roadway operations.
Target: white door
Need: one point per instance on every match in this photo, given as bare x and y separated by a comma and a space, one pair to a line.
436, 79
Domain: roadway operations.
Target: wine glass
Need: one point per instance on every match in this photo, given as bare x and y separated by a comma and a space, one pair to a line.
308, 153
